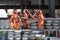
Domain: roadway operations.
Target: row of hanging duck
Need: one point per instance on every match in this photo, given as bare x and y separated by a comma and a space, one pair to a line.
15, 19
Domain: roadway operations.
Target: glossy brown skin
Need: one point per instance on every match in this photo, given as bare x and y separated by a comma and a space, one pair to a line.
26, 14
25, 19
40, 19
39, 15
15, 20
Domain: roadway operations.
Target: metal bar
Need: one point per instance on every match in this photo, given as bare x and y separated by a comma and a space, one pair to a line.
51, 18
17, 30
52, 8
